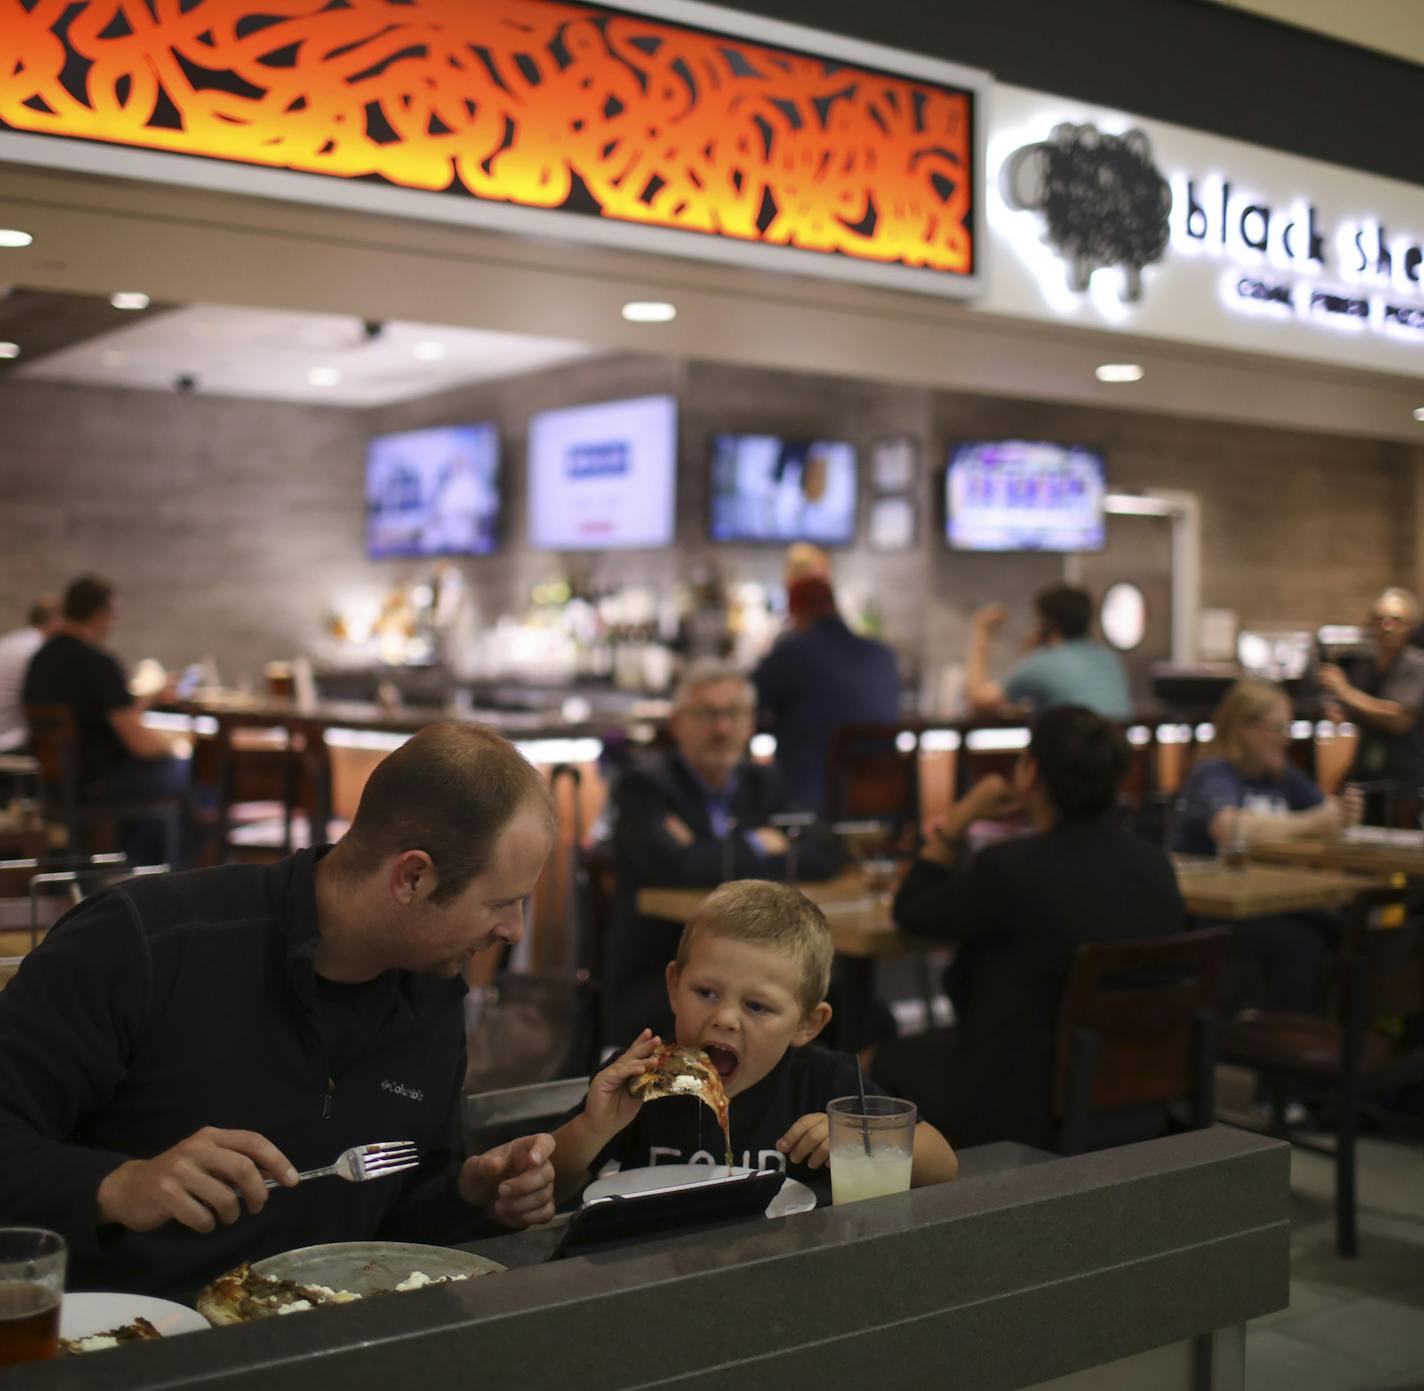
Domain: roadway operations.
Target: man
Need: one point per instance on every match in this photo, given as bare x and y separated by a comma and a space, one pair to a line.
818, 676
805, 561
1065, 666
1385, 697
119, 756
1017, 913
16, 650
693, 817
174, 1041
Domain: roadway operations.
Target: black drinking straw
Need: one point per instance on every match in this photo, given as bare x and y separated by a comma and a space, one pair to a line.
864, 1119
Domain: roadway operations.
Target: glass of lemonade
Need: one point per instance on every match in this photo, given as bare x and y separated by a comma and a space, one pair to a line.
31, 1290
872, 1146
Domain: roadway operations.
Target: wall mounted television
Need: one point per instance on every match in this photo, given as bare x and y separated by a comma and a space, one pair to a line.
604, 476
771, 488
433, 492
1025, 495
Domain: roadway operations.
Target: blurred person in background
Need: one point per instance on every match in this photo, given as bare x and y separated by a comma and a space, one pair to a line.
119, 756
1243, 790
1383, 696
817, 676
16, 650
1065, 666
1016, 913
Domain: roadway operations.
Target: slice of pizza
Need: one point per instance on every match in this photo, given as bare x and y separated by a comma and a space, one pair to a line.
685, 1072
139, 1331
243, 1295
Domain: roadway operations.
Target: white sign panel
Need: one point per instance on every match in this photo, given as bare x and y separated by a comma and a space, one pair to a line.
1106, 220
603, 476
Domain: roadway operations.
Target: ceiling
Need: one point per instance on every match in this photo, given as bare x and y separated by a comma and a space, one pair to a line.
1395, 27
274, 354
40, 321
190, 246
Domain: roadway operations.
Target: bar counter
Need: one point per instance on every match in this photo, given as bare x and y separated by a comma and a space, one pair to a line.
1149, 1257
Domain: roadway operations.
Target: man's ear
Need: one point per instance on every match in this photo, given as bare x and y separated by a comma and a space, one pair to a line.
412, 875
811, 1024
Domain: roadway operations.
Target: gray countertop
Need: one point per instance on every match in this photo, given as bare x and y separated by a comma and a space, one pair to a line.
1019, 1272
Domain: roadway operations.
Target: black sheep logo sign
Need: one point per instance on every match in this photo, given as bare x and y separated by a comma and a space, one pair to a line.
1104, 201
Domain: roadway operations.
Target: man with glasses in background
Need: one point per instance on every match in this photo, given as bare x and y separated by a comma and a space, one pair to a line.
1383, 696
694, 816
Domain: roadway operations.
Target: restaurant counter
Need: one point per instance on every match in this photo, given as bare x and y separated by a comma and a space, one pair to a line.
1142, 1262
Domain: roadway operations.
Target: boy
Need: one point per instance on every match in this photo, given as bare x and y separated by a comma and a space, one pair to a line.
748, 986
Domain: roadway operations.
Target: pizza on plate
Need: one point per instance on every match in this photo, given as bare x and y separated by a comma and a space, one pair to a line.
139, 1331
243, 1295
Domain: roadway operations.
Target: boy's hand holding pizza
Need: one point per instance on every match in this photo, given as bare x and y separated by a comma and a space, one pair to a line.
610, 1105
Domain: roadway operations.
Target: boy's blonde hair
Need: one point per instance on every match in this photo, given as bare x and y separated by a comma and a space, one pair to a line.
768, 915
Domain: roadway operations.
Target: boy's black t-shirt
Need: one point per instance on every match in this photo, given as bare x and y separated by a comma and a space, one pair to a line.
681, 1130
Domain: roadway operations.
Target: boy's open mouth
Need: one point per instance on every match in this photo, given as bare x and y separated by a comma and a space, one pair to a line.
721, 1057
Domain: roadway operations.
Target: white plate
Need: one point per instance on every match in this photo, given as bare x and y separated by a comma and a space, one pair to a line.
84, 1314
364, 1267
793, 1197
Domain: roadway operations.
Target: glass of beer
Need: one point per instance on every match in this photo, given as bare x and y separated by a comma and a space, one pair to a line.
872, 1146
31, 1290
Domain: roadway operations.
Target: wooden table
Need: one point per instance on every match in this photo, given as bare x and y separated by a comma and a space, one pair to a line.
1210, 890
861, 925
1379, 860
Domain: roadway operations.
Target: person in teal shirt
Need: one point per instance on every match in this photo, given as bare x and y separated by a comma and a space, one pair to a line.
1065, 667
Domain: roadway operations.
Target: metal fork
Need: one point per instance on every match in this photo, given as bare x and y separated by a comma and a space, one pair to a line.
363, 1162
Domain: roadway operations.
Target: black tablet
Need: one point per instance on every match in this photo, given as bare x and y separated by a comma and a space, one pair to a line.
607, 1221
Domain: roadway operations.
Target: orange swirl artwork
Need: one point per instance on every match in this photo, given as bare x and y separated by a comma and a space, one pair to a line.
530, 102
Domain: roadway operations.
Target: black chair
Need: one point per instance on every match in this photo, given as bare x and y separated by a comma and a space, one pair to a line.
1135, 1033
90, 820
873, 774
1370, 1045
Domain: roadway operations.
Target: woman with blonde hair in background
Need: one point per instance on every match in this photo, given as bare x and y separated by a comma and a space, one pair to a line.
1244, 790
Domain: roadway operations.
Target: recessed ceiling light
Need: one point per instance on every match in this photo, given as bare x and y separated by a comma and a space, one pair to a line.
9, 350
12, 236
1119, 372
430, 351
649, 311
1419, 414
323, 376
129, 299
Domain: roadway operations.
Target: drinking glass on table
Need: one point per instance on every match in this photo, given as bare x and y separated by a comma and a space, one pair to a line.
31, 1290
872, 1146
1231, 852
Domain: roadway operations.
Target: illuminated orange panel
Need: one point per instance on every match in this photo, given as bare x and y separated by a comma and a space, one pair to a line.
521, 101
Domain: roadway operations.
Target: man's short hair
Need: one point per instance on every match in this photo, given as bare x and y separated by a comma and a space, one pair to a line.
810, 599
1404, 598
449, 791
1082, 760
706, 671
768, 915
43, 612
1066, 610
87, 596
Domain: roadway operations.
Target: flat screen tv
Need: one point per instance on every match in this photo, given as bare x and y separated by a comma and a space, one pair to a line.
603, 476
1025, 495
768, 488
433, 492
